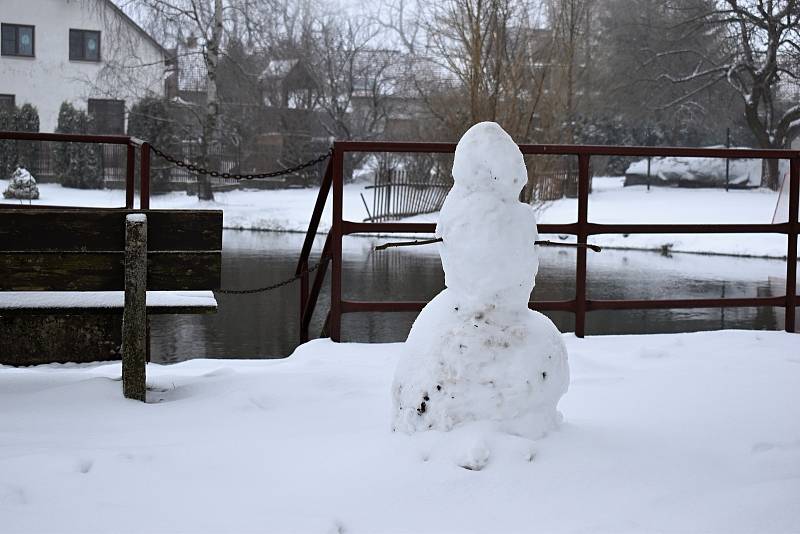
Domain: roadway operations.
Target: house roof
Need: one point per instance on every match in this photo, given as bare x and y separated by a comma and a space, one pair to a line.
279, 68
135, 26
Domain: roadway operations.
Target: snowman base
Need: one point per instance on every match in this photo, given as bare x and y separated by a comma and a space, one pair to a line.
479, 363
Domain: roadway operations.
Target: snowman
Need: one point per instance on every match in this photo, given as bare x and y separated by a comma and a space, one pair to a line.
476, 353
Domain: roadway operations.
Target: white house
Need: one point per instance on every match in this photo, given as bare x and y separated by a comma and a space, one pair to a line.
87, 52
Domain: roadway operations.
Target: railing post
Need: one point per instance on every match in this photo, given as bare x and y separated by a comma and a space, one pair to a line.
582, 235
307, 300
303, 299
144, 177
336, 230
130, 179
791, 253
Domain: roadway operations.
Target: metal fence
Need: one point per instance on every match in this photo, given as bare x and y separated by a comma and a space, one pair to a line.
122, 155
400, 193
112, 160
580, 305
554, 185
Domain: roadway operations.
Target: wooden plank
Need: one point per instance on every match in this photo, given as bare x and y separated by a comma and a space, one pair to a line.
104, 229
95, 271
170, 271
104, 271
184, 230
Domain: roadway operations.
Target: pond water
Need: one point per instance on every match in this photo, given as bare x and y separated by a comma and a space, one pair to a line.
266, 325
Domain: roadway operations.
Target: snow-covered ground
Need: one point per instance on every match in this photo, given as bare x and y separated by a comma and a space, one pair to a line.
610, 203
662, 433
701, 170
290, 210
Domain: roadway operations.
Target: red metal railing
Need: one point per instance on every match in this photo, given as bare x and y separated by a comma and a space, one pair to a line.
130, 164
582, 228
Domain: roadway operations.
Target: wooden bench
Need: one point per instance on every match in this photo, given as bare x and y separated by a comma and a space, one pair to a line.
79, 261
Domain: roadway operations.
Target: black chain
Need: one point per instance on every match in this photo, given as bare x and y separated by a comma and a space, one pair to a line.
273, 286
227, 175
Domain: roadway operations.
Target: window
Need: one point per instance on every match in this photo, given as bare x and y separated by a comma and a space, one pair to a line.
17, 40
7, 103
84, 45
108, 116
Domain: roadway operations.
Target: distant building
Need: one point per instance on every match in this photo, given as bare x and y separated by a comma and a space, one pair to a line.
87, 52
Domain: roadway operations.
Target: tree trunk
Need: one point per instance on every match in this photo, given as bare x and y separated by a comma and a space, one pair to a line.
210, 148
770, 174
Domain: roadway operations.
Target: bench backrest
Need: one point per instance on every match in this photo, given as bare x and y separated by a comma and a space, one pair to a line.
83, 249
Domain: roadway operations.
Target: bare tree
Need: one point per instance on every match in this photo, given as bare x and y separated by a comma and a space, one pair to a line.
768, 39
484, 50
570, 23
182, 22
210, 125
127, 70
761, 38
355, 79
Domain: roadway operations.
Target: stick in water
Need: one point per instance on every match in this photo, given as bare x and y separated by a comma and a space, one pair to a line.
384, 246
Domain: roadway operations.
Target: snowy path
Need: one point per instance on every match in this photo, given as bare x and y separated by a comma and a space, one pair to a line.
665, 433
290, 210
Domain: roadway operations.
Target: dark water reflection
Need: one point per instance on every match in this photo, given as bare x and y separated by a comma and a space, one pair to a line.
266, 325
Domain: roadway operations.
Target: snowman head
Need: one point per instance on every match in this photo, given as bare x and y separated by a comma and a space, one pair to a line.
488, 160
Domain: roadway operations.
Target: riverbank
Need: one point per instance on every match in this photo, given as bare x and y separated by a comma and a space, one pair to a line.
662, 433
610, 202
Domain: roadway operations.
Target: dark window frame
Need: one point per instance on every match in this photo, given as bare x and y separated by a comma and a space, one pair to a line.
15, 52
83, 56
7, 98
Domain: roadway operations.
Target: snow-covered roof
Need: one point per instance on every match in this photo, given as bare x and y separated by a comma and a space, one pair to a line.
278, 68
114, 7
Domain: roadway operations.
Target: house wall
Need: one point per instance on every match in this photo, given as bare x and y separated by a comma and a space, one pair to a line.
131, 65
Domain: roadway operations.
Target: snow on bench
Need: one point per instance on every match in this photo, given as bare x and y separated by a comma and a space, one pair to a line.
158, 302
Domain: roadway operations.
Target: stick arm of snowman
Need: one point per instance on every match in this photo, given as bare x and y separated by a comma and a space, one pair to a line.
545, 243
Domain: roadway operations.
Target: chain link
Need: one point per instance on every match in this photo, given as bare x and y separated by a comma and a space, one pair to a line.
271, 287
227, 175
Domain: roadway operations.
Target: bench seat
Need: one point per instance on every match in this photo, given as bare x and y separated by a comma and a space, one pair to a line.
74, 283
102, 302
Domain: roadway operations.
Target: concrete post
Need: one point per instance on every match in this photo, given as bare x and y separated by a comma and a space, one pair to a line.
134, 317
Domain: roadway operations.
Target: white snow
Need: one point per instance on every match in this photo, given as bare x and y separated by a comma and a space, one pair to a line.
102, 299
742, 172
662, 433
21, 186
476, 353
610, 202
136, 218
